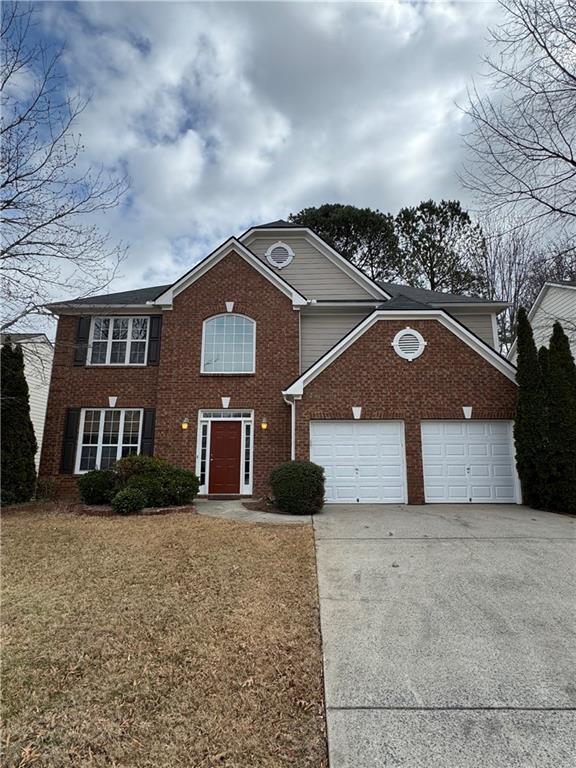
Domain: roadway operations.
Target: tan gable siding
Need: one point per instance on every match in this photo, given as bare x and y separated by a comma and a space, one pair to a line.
37, 369
310, 272
480, 323
557, 304
319, 333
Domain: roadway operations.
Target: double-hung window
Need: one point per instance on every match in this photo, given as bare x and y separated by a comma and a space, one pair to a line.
229, 344
106, 435
118, 340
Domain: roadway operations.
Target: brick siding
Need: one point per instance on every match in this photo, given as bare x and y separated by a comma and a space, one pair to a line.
447, 376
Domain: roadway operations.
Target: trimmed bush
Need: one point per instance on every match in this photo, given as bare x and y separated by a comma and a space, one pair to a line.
167, 488
182, 486
128, 501
298, 487
98, 486
139, 464
151, 487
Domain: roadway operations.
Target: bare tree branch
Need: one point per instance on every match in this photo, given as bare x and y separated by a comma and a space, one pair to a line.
522, 143
50, 243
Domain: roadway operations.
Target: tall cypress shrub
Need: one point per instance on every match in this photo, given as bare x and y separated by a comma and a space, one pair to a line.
18, 441
530, 424
561, 491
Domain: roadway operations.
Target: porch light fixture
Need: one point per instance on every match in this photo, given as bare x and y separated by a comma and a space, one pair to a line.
264, 423
467, 409
185, 423
357, 411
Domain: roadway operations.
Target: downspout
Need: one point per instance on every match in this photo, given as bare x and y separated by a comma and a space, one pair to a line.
292, 404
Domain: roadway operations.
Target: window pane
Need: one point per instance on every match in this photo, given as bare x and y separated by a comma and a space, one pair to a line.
88, 458
98, 352
137, 352
131, 427
140, 328
91, 427
101, 328
111, 427
229, 344
118, 353
120, 329
109, 454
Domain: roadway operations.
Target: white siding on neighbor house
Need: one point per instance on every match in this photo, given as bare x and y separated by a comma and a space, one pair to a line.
38, 368
479, 323
310, 272
321, 330
557, 304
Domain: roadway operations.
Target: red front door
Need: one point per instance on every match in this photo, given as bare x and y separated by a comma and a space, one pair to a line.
225, 447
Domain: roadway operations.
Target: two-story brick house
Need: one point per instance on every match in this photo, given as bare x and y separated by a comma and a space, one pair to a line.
276, 347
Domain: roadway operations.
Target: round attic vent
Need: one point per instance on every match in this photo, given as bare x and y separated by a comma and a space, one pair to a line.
408, 344
279, 255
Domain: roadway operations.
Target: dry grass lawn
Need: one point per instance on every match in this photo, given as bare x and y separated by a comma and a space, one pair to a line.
159, 641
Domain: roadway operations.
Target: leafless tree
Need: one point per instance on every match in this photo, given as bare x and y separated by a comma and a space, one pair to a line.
50, 241
522, 144
516, 262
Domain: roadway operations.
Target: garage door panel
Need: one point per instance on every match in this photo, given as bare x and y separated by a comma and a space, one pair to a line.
366, 466
485, 472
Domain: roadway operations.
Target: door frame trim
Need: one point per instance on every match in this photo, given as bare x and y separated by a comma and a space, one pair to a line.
205, 418
371, 421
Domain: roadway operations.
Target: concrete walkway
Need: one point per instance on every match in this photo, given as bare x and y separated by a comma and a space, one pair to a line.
449, 636
234, 510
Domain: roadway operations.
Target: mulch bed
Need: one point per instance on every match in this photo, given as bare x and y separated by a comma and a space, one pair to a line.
105, 510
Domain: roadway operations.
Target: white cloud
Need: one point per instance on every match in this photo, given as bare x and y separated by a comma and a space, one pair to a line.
226, 114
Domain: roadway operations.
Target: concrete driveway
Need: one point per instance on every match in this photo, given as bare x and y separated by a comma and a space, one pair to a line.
449, 636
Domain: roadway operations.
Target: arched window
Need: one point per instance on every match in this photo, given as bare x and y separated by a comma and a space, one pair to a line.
229, 344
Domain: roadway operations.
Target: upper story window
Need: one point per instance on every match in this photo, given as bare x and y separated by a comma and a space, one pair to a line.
229, 344
118, 341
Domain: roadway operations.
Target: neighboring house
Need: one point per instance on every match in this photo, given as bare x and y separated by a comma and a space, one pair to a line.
38, 353
556, 301
276, 347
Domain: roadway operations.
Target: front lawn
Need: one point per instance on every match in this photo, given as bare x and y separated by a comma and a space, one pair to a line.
159, 641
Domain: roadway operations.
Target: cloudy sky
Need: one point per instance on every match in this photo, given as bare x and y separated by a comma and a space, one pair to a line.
229, 114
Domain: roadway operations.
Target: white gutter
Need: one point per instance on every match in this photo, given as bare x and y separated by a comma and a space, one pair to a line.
292, 404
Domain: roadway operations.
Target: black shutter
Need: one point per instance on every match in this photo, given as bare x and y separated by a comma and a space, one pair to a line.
70, 439
154, 340
82, 335
148, 426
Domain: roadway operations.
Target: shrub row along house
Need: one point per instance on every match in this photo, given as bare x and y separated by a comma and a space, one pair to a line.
276, 347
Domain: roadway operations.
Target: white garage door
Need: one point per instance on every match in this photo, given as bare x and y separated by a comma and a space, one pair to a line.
363, 460
468, 461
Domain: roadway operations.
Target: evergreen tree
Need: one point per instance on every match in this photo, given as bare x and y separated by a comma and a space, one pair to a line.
545, 459
529, 426
18, 440
562, 423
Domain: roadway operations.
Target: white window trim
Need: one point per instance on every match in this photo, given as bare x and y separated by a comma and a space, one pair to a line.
109, 341
411, 355
207, 416
99, 446
280, 244
228, 373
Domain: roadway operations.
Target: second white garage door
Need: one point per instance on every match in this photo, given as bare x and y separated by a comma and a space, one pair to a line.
468, 461
363, 460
